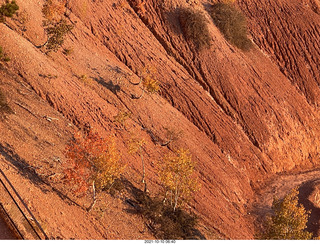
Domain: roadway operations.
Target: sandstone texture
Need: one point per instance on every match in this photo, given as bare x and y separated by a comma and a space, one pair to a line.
246, 117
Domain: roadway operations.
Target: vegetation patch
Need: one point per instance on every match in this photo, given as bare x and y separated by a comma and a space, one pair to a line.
3, 57
232, 23
56, 33
8, 9
163, 221
4, 107
122, 117
289, 220
92, 162
55, 25
151, 85
68, 51
176, 171
149, 81
195, 27
165, 217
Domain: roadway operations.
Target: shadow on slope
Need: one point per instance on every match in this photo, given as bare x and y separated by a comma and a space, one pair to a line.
29, 173
160, 218
305, 192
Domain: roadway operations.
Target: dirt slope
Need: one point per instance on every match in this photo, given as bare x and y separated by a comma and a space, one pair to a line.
242, 117
288, 31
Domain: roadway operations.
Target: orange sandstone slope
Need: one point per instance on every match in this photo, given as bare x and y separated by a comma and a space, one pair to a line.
240, 114
288, 33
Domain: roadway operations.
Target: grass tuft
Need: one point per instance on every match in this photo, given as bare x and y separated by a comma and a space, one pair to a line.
232, 23
195, 27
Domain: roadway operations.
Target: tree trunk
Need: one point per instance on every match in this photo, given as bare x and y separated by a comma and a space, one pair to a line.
94, 198
175, 199
143, 172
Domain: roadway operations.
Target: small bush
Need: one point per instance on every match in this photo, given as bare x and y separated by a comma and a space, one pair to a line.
151, 85
6, 59
122, 117
55, 25
232, 23
68, 51
3, 57
8, 9
56, 33
4, 107
195, 27
150, 82
165, 223
53, 10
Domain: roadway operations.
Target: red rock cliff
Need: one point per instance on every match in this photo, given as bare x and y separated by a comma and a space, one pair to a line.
245, 116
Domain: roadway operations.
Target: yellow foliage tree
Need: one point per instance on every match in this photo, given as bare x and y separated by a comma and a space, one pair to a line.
289, 220
176, 176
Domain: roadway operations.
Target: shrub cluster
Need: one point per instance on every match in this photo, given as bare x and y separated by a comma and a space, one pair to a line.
232, 23
8, 9
195, 27
150, 82
92, 161
151, 85
166, 218
164, 222
122, 117
176, 173
55, 25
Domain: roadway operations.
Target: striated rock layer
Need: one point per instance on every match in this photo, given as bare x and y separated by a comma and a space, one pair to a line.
244, 116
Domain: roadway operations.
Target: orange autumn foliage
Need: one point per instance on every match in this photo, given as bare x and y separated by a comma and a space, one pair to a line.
53, 10
92, 160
